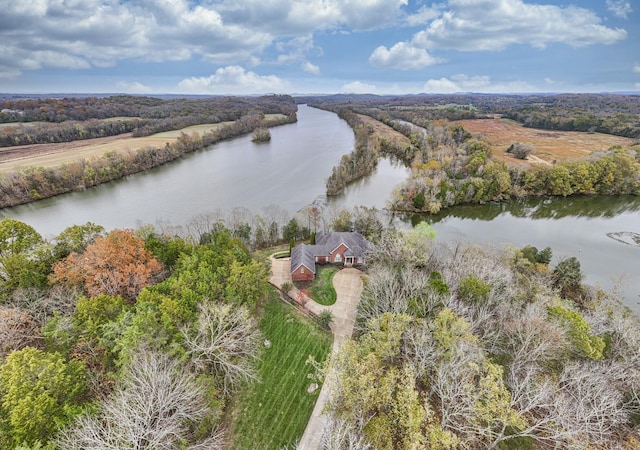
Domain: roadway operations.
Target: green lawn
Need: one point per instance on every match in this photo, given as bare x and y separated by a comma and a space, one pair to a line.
321, 290
275, 412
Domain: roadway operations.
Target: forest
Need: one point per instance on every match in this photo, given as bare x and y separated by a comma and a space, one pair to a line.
92, 321
452, 166
456, 346
471, 347
607, 113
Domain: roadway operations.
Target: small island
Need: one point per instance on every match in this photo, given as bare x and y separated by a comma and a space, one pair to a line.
261, 134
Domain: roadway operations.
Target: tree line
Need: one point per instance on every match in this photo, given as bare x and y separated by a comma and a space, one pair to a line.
361, 161
464, 172
615, 114
93, 117
59, 110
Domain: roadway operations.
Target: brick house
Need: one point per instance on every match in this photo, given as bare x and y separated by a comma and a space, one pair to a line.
346, 248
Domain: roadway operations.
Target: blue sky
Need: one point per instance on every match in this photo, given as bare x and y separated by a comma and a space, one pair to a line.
319, 46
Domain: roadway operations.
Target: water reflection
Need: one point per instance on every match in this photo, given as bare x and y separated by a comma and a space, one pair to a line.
537, 208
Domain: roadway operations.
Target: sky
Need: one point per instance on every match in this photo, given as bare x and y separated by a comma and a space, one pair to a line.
385, 47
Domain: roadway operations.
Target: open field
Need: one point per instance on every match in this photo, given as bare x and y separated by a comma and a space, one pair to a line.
48, 155
397, 138
550, 145
274, 412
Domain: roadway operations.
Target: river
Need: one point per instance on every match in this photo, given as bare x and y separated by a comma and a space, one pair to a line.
290, 171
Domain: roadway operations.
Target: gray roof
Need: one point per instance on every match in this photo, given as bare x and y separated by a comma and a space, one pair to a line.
305, 255
356, 242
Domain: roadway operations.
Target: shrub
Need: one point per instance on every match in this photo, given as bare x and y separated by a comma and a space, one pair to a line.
325, 318
520, 151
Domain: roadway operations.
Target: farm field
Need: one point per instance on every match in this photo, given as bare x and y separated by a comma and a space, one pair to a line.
550, 145
274, 412
16, 158
49, 155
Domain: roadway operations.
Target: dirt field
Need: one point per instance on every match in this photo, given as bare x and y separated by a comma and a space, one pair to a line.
549, 145
47, 155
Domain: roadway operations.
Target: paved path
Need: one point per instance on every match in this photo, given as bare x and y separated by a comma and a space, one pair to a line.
348, 286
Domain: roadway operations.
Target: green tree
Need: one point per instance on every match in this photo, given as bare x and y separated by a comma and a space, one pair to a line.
291, 230
75, 239
560, 181
584, 343
247, 283
343, 221
24, 260
474, 290
39, 393
567, 274
17, 237
419, 200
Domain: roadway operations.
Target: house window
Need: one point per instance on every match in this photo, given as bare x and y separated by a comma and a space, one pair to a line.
338, 258
302, 270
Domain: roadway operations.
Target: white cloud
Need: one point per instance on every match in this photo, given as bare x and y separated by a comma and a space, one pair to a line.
478, 83
423, 15
441, 86
637, 86
489, 25
133, 87
402, 56
296, 49
620, 8
297, 17
101, 33
357, 87
77, 34
636, 67
310, 68
233, 80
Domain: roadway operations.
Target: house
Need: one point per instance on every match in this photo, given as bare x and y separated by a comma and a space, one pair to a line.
346, 248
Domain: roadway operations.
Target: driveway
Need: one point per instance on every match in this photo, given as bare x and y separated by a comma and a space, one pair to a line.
348, 286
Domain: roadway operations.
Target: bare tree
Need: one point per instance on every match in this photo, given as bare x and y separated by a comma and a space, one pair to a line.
225, 341
588, 406
154, 407
340, 435
41, 304
17, 330
203, 224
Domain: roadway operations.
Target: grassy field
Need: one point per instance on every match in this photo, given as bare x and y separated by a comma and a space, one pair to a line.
550, 145
275, 412
321, 289
398, 139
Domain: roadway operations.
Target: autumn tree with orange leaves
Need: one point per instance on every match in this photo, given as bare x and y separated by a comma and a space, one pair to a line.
118, 264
